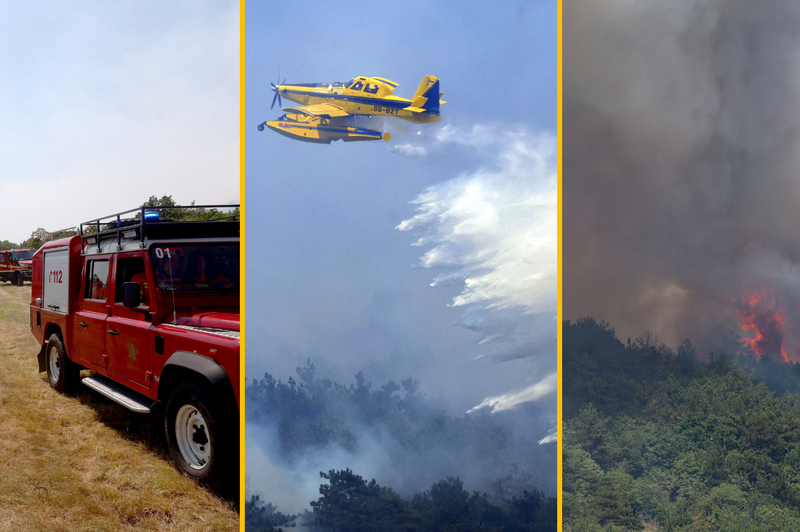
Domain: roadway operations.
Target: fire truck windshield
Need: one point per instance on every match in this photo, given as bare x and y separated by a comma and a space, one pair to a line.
23, 254
196, 267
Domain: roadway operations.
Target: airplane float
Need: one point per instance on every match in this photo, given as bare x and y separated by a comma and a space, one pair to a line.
325, 108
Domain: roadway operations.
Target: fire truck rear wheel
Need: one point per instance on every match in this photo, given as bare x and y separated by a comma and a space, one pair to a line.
195, 437
61, 372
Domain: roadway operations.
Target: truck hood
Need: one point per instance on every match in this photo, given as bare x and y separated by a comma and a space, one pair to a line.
214, 320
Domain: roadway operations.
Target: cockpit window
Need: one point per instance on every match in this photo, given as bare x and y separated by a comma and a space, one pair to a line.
357, 86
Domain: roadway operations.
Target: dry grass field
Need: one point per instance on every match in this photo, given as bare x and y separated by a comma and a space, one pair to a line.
78, 462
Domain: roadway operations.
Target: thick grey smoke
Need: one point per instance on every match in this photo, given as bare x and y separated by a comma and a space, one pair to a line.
681, 164
290, 482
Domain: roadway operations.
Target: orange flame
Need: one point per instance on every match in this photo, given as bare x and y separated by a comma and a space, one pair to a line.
762, 314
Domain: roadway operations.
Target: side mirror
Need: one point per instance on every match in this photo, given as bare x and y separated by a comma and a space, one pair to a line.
130, 295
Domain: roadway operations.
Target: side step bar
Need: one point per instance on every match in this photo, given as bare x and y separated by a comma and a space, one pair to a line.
120, 394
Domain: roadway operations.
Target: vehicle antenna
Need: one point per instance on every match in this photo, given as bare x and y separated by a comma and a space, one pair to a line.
172, 285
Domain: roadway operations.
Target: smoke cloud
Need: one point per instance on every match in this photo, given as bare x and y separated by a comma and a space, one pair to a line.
680, 166
491, 232
494, 231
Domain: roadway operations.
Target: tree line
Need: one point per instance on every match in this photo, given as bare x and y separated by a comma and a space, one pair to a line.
40, 235
348, 503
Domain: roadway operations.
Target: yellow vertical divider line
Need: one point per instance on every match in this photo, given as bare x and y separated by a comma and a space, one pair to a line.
559, 312
242, 269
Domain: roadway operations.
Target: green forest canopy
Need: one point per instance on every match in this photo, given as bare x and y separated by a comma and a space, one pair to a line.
656, 439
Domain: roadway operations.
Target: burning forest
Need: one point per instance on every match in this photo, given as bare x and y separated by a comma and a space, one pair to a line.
392, 433
473, 423
681, 137
761, 315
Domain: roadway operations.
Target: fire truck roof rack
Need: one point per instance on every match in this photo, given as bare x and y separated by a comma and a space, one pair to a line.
147, 224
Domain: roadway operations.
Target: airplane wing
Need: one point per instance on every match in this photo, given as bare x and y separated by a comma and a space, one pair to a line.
323, 110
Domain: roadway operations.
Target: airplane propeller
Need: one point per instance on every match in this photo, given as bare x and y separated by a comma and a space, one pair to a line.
277, 92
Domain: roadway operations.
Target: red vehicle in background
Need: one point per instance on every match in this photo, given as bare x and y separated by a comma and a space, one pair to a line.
15, 265
151, 307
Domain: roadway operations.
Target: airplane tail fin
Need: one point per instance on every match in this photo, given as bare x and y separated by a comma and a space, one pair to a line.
427, 96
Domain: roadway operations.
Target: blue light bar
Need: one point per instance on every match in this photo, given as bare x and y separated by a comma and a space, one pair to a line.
151, 216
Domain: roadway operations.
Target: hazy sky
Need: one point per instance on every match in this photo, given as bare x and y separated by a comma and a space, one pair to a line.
333, 270
104, 104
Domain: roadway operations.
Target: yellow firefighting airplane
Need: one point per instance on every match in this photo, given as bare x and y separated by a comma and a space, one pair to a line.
322, 118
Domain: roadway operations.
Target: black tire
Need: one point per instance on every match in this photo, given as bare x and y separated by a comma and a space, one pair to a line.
62, 373
199, 441
18, 279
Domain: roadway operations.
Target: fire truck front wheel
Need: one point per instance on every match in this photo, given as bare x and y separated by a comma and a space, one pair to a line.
61, 372
18, 279
196, 439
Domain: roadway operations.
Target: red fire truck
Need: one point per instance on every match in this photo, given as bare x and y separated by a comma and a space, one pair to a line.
151, 307
15, 265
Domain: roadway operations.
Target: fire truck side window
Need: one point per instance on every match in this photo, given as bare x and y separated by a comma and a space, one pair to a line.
3, 258
96, 279
131, 270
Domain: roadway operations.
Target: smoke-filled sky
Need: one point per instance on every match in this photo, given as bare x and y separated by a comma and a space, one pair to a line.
104, 104
681, 164
431, 256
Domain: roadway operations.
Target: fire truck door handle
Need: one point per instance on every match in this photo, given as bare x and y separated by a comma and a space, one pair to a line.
115, 333
83, 324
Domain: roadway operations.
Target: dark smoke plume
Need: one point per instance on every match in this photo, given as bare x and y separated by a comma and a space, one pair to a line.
681, 164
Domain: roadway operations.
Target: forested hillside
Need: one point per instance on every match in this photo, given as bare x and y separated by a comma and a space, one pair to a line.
655, 439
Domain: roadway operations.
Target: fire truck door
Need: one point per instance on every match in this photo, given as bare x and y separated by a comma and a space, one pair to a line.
89, 325
89, 338
128, 332
127, 343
